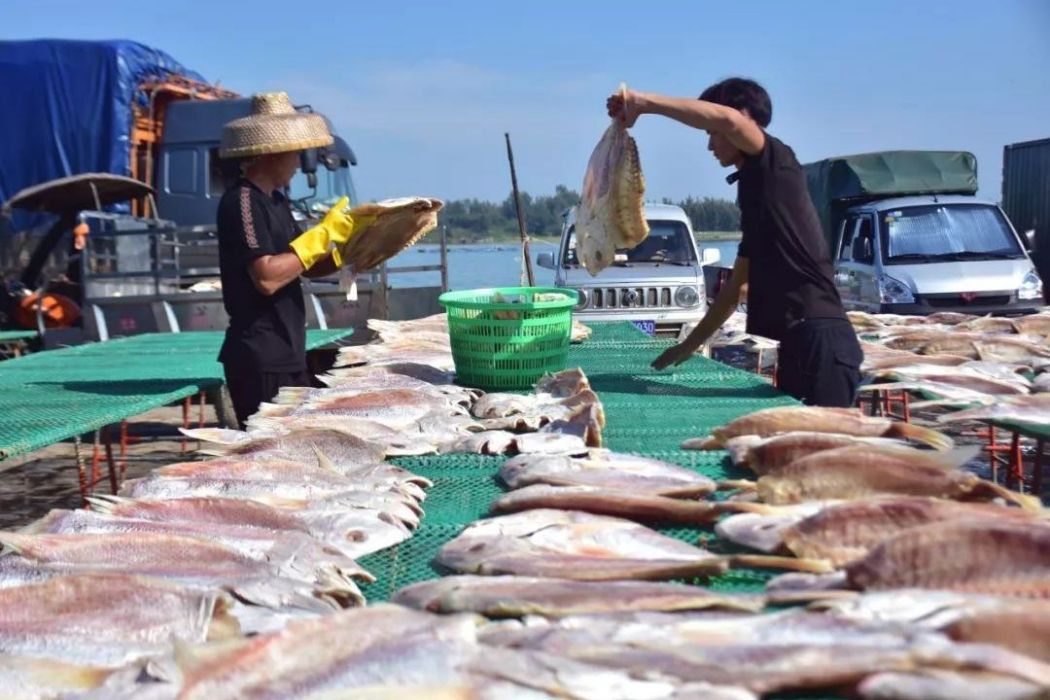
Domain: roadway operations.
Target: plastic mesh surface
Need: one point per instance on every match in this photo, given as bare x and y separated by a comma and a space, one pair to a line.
647, 413
50, 396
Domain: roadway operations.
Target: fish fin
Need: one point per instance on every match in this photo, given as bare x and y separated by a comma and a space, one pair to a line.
325, 463
982, 353
927, 436
292, 394
955, 457
338, 589
221, 436
739, 448
768, 561
60, 673
739, 484
707, 443
270, 410
994, 490
105, 503
17, 543
194, 658
223, 624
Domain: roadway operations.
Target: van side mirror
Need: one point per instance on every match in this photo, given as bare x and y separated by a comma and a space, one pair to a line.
545, 259
710, 256
308, 161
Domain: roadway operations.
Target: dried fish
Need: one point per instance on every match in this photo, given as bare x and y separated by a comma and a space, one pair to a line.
846, 421
611, 214
859, 471
607, 469
608, 501
516, 596
573, 545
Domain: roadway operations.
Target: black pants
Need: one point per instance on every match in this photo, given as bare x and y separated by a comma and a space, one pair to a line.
819, 362
249, 387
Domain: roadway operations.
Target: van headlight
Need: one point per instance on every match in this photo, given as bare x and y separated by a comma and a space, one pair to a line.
893, 291
1031, 286
686, 297
584, 299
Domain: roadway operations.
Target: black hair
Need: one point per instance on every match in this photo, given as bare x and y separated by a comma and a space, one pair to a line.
742, 93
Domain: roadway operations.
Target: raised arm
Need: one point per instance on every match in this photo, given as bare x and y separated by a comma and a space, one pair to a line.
713, 118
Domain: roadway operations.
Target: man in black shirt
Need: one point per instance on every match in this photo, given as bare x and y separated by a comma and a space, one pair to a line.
262, 251
783, 260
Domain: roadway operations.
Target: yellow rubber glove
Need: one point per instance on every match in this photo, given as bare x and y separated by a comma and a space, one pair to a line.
335, 229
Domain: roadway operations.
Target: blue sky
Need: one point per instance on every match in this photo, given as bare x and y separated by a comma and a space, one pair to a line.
425, 91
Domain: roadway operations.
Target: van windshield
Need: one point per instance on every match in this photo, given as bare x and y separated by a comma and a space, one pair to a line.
668, 242
946, 232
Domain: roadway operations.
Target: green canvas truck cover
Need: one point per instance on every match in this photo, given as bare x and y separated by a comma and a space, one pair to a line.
835, 184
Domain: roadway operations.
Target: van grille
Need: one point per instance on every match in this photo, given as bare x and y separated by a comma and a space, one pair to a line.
956, 300
630, 297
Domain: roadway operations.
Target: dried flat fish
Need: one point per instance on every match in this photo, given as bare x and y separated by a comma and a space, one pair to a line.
941, 684
500, 442
843, 532
72, 618
764, 455
860, 471
1035, 324
1033, 409
847, 421
611, 214
607, 469
188, 560
516, 596
573, 545
381, 644
980, 556
608, 501
300, 445
1022, 628
417, 370
399, 224
354, 532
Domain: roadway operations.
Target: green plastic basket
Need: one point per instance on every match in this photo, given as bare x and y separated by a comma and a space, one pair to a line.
504, 338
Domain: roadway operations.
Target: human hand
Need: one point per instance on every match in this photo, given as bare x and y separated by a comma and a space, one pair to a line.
624, 106
674, 355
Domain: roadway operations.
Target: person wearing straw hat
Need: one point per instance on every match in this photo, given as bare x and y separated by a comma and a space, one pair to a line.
263, 252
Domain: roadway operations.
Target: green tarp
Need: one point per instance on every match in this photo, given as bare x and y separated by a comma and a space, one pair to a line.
838, 183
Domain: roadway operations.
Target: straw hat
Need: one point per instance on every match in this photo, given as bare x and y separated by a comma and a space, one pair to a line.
273, 127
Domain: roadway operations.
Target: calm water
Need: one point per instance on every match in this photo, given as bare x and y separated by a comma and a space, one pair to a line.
492, 265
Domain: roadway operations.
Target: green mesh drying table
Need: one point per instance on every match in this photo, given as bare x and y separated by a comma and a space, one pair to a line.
647, 412
54, 395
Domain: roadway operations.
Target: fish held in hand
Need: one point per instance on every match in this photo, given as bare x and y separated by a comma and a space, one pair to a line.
611, 214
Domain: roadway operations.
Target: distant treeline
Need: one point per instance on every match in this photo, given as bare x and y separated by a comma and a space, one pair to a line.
471, 220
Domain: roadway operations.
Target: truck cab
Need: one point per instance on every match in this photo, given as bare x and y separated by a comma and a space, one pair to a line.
918, 255
908, 235
658, 285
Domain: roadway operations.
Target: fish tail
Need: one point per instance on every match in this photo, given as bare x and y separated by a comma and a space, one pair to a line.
708, 443
768, 561
270, 410
221, 436
292, 394
18, 543
738, 484
739, 448
927, 436
335, 588
105, 503
955, 457
994, 490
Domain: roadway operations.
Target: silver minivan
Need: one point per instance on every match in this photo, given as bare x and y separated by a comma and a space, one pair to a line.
658, 285
928, 253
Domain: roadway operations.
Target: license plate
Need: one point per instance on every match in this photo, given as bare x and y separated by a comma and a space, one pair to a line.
647, 327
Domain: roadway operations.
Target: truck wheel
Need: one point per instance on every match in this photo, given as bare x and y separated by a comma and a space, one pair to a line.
219, 398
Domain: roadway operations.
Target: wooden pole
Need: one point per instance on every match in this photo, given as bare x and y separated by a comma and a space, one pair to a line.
521, 216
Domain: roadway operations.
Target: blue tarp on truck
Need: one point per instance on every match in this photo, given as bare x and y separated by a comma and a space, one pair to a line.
68, 107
